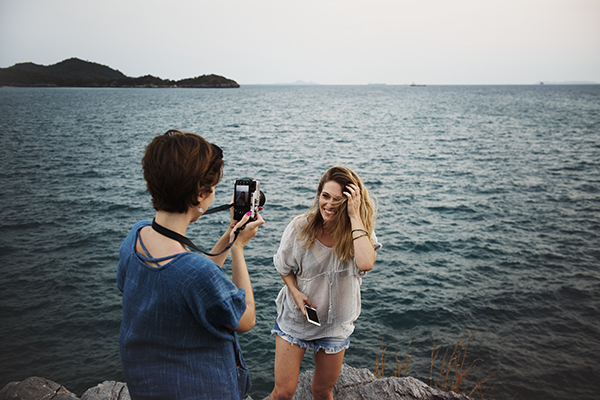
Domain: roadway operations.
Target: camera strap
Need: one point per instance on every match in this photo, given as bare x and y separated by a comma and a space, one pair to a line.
216, 209
187, 242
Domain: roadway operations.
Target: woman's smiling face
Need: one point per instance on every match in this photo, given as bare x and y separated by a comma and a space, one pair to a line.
330, 195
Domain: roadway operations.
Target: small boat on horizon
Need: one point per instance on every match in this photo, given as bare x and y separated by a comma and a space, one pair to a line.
414, 84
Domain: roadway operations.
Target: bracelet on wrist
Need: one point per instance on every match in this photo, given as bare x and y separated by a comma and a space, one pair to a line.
358, 237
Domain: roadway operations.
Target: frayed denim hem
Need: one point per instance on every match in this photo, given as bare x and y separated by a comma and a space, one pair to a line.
290, 339
328, 345
332, 349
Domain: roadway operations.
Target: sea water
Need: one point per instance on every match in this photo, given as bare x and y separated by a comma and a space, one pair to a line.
489, 213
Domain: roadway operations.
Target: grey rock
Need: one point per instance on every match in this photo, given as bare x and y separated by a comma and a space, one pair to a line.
35, 388
361, 384
107, 390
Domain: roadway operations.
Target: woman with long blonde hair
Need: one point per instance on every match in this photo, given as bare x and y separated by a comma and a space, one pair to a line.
322, 258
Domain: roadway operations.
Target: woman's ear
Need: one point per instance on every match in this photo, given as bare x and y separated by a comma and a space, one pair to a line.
202, 196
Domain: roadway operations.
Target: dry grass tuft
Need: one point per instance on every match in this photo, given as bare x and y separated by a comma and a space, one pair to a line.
454, 367
404, 364
401, 366
380, 361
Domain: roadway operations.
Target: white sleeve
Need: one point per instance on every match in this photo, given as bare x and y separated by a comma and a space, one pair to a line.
284, 258
376, 244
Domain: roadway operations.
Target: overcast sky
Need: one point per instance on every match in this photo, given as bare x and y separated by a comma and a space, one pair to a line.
323, 41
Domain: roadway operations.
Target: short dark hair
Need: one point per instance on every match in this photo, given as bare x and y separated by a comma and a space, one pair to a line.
178, 166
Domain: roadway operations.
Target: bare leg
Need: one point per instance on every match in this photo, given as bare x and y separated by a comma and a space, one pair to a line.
327, 371
288, 358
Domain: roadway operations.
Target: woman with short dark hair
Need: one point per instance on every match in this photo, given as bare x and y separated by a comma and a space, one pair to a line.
180, 312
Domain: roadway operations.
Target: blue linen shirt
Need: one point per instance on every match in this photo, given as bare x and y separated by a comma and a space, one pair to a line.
173, 342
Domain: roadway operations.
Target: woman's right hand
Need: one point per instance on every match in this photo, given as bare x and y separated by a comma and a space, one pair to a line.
301, 299
248, 232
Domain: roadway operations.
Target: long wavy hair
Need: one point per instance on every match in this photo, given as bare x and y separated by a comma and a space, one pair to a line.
341, 227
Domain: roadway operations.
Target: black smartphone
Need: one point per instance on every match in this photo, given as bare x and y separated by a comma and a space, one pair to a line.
311, 315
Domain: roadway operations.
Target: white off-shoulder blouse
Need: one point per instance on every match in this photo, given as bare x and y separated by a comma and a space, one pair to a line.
332, 285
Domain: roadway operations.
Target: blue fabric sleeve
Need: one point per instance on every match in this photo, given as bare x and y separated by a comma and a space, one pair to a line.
213, 299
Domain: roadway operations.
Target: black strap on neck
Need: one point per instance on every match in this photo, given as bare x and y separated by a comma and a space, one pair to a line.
187, 242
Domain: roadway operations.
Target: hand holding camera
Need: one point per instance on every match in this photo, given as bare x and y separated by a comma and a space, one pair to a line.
248, 200
246, 229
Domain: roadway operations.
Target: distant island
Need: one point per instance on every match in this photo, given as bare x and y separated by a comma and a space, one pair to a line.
78, 73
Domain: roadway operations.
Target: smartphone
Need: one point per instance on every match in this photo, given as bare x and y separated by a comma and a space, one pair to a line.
311, 315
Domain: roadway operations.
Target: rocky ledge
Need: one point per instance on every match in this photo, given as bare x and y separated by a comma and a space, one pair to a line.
353, 384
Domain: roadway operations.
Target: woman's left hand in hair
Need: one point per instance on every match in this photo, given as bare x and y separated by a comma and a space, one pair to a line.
352, 192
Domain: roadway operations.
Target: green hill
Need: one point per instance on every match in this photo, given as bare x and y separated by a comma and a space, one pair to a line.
78, 73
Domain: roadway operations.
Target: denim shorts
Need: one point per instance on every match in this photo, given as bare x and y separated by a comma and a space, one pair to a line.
330, 345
